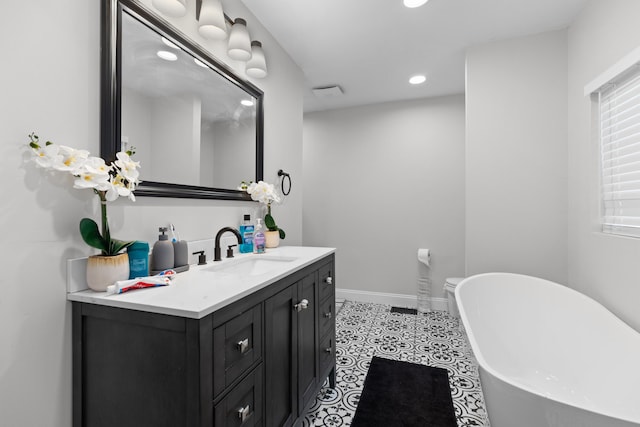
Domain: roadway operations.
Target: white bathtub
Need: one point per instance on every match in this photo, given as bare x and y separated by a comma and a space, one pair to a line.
548, 355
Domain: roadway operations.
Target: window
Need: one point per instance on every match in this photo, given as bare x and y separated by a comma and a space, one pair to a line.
619, 134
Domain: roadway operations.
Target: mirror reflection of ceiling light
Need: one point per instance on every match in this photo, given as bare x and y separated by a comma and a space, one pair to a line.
169, 43
257, 65
200, 63
414, 3
239, 41
173, 8
211, 22
418, 79
247, 102
168, 56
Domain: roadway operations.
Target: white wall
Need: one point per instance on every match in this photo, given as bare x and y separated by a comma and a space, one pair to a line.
233, 157
174, 119
50, 75
516, 157
602, 266
136, 122
382, 181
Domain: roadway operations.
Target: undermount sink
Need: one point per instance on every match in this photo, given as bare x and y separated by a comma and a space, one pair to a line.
250, 266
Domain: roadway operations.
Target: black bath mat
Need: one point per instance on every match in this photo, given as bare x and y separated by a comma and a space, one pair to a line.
403, 394
403, 310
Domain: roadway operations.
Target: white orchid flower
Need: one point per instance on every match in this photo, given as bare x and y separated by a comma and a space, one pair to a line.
70, 159
89, 179
118, 179
97, 165
127, 167
263, 192
118, 188
45, 157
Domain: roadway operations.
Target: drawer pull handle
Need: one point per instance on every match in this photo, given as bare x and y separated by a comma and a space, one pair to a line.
243, 345
328, 315
243, 413
329, 280
302, 305
328, 350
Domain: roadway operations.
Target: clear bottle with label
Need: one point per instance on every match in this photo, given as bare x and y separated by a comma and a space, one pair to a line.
246, 231
258, 238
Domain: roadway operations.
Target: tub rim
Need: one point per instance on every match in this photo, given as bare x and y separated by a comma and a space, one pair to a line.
487, 367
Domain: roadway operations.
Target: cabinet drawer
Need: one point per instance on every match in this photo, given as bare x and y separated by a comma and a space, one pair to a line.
327, 316
327, 281
327, 351
237, 345
243, 405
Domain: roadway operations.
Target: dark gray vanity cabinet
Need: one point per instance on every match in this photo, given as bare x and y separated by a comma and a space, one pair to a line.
291, 356
258, 361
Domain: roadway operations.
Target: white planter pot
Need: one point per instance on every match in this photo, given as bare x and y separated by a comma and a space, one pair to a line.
103, 271
272, 239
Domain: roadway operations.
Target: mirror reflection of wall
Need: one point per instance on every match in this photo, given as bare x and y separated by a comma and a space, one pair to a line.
189, 124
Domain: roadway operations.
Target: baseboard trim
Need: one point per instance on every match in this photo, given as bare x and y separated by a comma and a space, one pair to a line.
397, 300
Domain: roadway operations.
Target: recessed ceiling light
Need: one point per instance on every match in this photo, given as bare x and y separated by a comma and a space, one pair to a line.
169, 56
200, 63
169, 43
418, 79
247, 102
414, 3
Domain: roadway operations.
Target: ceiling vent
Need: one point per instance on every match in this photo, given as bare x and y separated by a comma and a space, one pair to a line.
327, 92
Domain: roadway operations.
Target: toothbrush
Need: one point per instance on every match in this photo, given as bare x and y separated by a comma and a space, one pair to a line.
173, 233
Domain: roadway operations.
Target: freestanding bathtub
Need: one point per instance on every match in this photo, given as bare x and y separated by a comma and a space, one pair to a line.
548, 355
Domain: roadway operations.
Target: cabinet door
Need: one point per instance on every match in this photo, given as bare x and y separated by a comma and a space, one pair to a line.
307, 340
280, 358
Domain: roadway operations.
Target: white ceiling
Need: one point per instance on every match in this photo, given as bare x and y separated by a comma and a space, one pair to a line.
370, 48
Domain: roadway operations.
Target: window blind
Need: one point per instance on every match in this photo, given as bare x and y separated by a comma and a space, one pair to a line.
619, 110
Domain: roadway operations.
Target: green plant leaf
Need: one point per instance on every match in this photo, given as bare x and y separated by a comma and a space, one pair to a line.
270, 223
118, 245
91, 235
282, 233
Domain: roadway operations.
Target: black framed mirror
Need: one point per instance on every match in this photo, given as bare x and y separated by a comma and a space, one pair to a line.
197, 128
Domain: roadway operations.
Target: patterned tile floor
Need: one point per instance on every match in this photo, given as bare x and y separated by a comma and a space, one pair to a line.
364, 330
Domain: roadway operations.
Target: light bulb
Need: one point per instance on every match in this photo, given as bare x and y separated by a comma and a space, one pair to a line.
418, 79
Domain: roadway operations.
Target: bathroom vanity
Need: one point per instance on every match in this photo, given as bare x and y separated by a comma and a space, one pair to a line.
244, 342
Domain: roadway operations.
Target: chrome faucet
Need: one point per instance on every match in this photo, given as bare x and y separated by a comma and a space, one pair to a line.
216, 251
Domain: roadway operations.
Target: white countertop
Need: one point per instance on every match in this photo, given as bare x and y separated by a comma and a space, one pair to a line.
203, 289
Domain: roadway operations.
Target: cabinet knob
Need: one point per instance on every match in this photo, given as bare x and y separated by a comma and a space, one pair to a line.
244, 413
243, 345
329, 280
328, 350
302, 305
328, 315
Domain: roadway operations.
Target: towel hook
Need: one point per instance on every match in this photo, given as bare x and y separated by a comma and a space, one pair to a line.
284, 175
